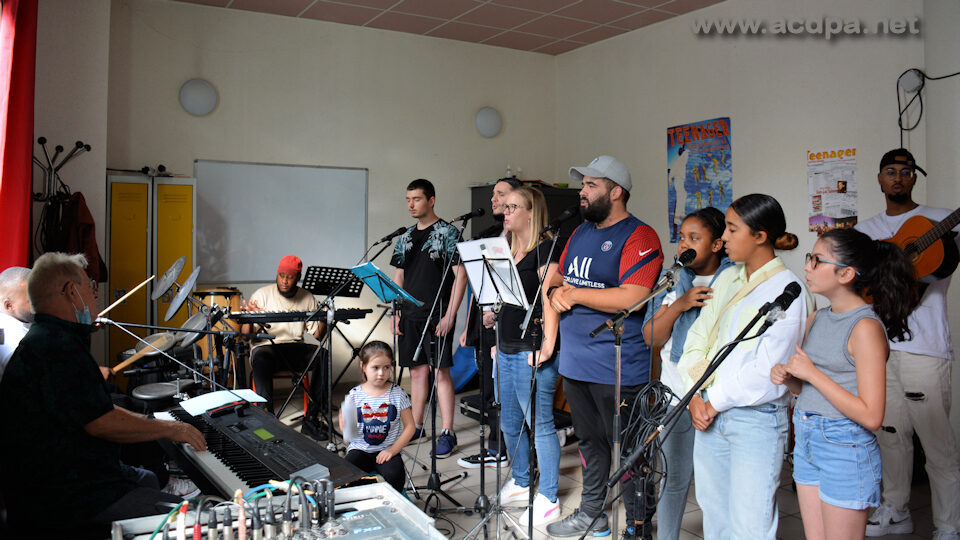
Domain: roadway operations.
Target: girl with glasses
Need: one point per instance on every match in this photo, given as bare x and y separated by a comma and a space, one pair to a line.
840, 375
520, 358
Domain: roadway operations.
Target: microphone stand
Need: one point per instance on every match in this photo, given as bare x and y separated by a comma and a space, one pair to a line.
667, 281
615, 325
328, 302
197, 374
525, 327
639, 460
434, 485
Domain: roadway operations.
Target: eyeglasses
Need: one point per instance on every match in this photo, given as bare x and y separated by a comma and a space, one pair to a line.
891, 172
511, 208
94, 286
815, 260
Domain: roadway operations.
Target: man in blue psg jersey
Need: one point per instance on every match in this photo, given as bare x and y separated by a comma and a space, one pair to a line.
611, 262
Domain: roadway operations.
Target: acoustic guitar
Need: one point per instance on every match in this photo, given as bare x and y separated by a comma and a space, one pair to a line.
929, 246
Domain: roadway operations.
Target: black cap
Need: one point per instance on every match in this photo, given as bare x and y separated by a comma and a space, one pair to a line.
900, 156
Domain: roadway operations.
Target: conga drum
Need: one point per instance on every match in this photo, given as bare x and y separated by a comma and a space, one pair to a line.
224, 297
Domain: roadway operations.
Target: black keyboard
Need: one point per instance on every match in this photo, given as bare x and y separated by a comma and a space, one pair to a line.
246, 451
261, 317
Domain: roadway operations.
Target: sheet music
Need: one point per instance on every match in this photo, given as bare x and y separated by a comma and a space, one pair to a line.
203, 403
504, 280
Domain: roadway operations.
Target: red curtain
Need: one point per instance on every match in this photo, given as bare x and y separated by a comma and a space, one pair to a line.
18, 47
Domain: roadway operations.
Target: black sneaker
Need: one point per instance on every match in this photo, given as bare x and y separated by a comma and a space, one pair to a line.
476, 461
313, 428
629, 534
576, 524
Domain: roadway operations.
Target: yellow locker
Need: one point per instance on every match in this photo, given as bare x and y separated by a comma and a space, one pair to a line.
175, 205
128, 255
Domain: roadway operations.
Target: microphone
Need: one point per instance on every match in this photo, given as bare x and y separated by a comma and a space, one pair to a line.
789, 294
470, 215
393, 235
775, 310
554, 225
684, 259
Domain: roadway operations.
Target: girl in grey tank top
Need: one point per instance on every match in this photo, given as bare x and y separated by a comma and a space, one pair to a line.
840, 377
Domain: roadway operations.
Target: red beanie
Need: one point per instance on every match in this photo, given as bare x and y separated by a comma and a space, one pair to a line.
290, 265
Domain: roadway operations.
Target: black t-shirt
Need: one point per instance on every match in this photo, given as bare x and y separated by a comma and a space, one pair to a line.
50, 390
511, 317
477, 334
423, 255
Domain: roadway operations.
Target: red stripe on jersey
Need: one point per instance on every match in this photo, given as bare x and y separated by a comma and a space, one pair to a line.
643, 241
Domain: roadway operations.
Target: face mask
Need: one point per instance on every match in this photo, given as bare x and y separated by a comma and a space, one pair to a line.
83, 317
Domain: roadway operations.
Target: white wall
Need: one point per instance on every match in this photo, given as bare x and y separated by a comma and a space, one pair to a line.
308, 92
785, 95
71, 102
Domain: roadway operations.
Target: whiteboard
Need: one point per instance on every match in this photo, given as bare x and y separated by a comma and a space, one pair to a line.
249, 215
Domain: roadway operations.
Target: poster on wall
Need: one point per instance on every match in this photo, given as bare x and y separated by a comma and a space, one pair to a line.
699, 169
832, 186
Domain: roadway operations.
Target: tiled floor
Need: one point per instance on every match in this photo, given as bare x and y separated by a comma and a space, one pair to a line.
457, 524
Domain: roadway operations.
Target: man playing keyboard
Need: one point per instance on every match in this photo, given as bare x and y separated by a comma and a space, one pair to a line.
60, 470
287, 351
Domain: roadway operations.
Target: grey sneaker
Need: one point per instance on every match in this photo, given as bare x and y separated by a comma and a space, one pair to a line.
576, 524
888, 520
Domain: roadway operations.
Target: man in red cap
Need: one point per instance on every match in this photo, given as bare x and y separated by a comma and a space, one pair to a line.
287, 351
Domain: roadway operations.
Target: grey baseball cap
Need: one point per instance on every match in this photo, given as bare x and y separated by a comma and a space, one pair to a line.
604, 167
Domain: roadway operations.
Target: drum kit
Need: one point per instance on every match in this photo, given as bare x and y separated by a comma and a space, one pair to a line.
221, 360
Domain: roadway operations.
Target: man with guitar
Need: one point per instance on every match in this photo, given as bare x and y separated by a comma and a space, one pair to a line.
919, 369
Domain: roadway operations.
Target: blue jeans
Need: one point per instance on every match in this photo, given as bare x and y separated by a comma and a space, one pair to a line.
839, 457
515, 375
737, 463
678, 452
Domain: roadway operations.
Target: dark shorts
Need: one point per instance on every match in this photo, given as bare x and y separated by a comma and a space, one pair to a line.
407, 344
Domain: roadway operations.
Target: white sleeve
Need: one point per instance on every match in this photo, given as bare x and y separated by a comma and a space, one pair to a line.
750, 384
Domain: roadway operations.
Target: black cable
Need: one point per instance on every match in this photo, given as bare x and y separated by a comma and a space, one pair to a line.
916, 97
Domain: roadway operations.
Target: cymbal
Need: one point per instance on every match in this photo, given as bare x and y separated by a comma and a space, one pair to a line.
168, 278
197, 321
162, 341
182, 294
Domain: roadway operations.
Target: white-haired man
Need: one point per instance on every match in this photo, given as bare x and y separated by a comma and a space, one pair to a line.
63, 432
15, 315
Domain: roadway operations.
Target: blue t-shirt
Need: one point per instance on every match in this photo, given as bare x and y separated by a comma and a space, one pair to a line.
627, 252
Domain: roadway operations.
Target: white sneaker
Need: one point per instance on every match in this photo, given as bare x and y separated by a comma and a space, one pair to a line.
888, 520
181, 487
946, 535
511, 493
544, 512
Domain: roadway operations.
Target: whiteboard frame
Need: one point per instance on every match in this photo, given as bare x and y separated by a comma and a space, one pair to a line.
207, 280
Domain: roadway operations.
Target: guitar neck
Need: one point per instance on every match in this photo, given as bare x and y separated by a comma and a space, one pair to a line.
935, 232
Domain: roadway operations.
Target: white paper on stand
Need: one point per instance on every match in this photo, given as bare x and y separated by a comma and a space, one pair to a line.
203, 403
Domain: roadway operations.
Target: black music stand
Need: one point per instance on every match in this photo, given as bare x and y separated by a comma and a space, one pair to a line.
496, 282
332, 282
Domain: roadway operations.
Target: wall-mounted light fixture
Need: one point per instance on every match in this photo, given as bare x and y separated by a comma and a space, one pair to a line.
198, 97
489, 122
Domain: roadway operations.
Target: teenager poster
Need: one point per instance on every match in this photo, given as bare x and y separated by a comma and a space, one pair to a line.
699, 169
832, 188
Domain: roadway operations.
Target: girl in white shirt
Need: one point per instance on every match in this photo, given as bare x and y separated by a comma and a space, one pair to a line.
741, 416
